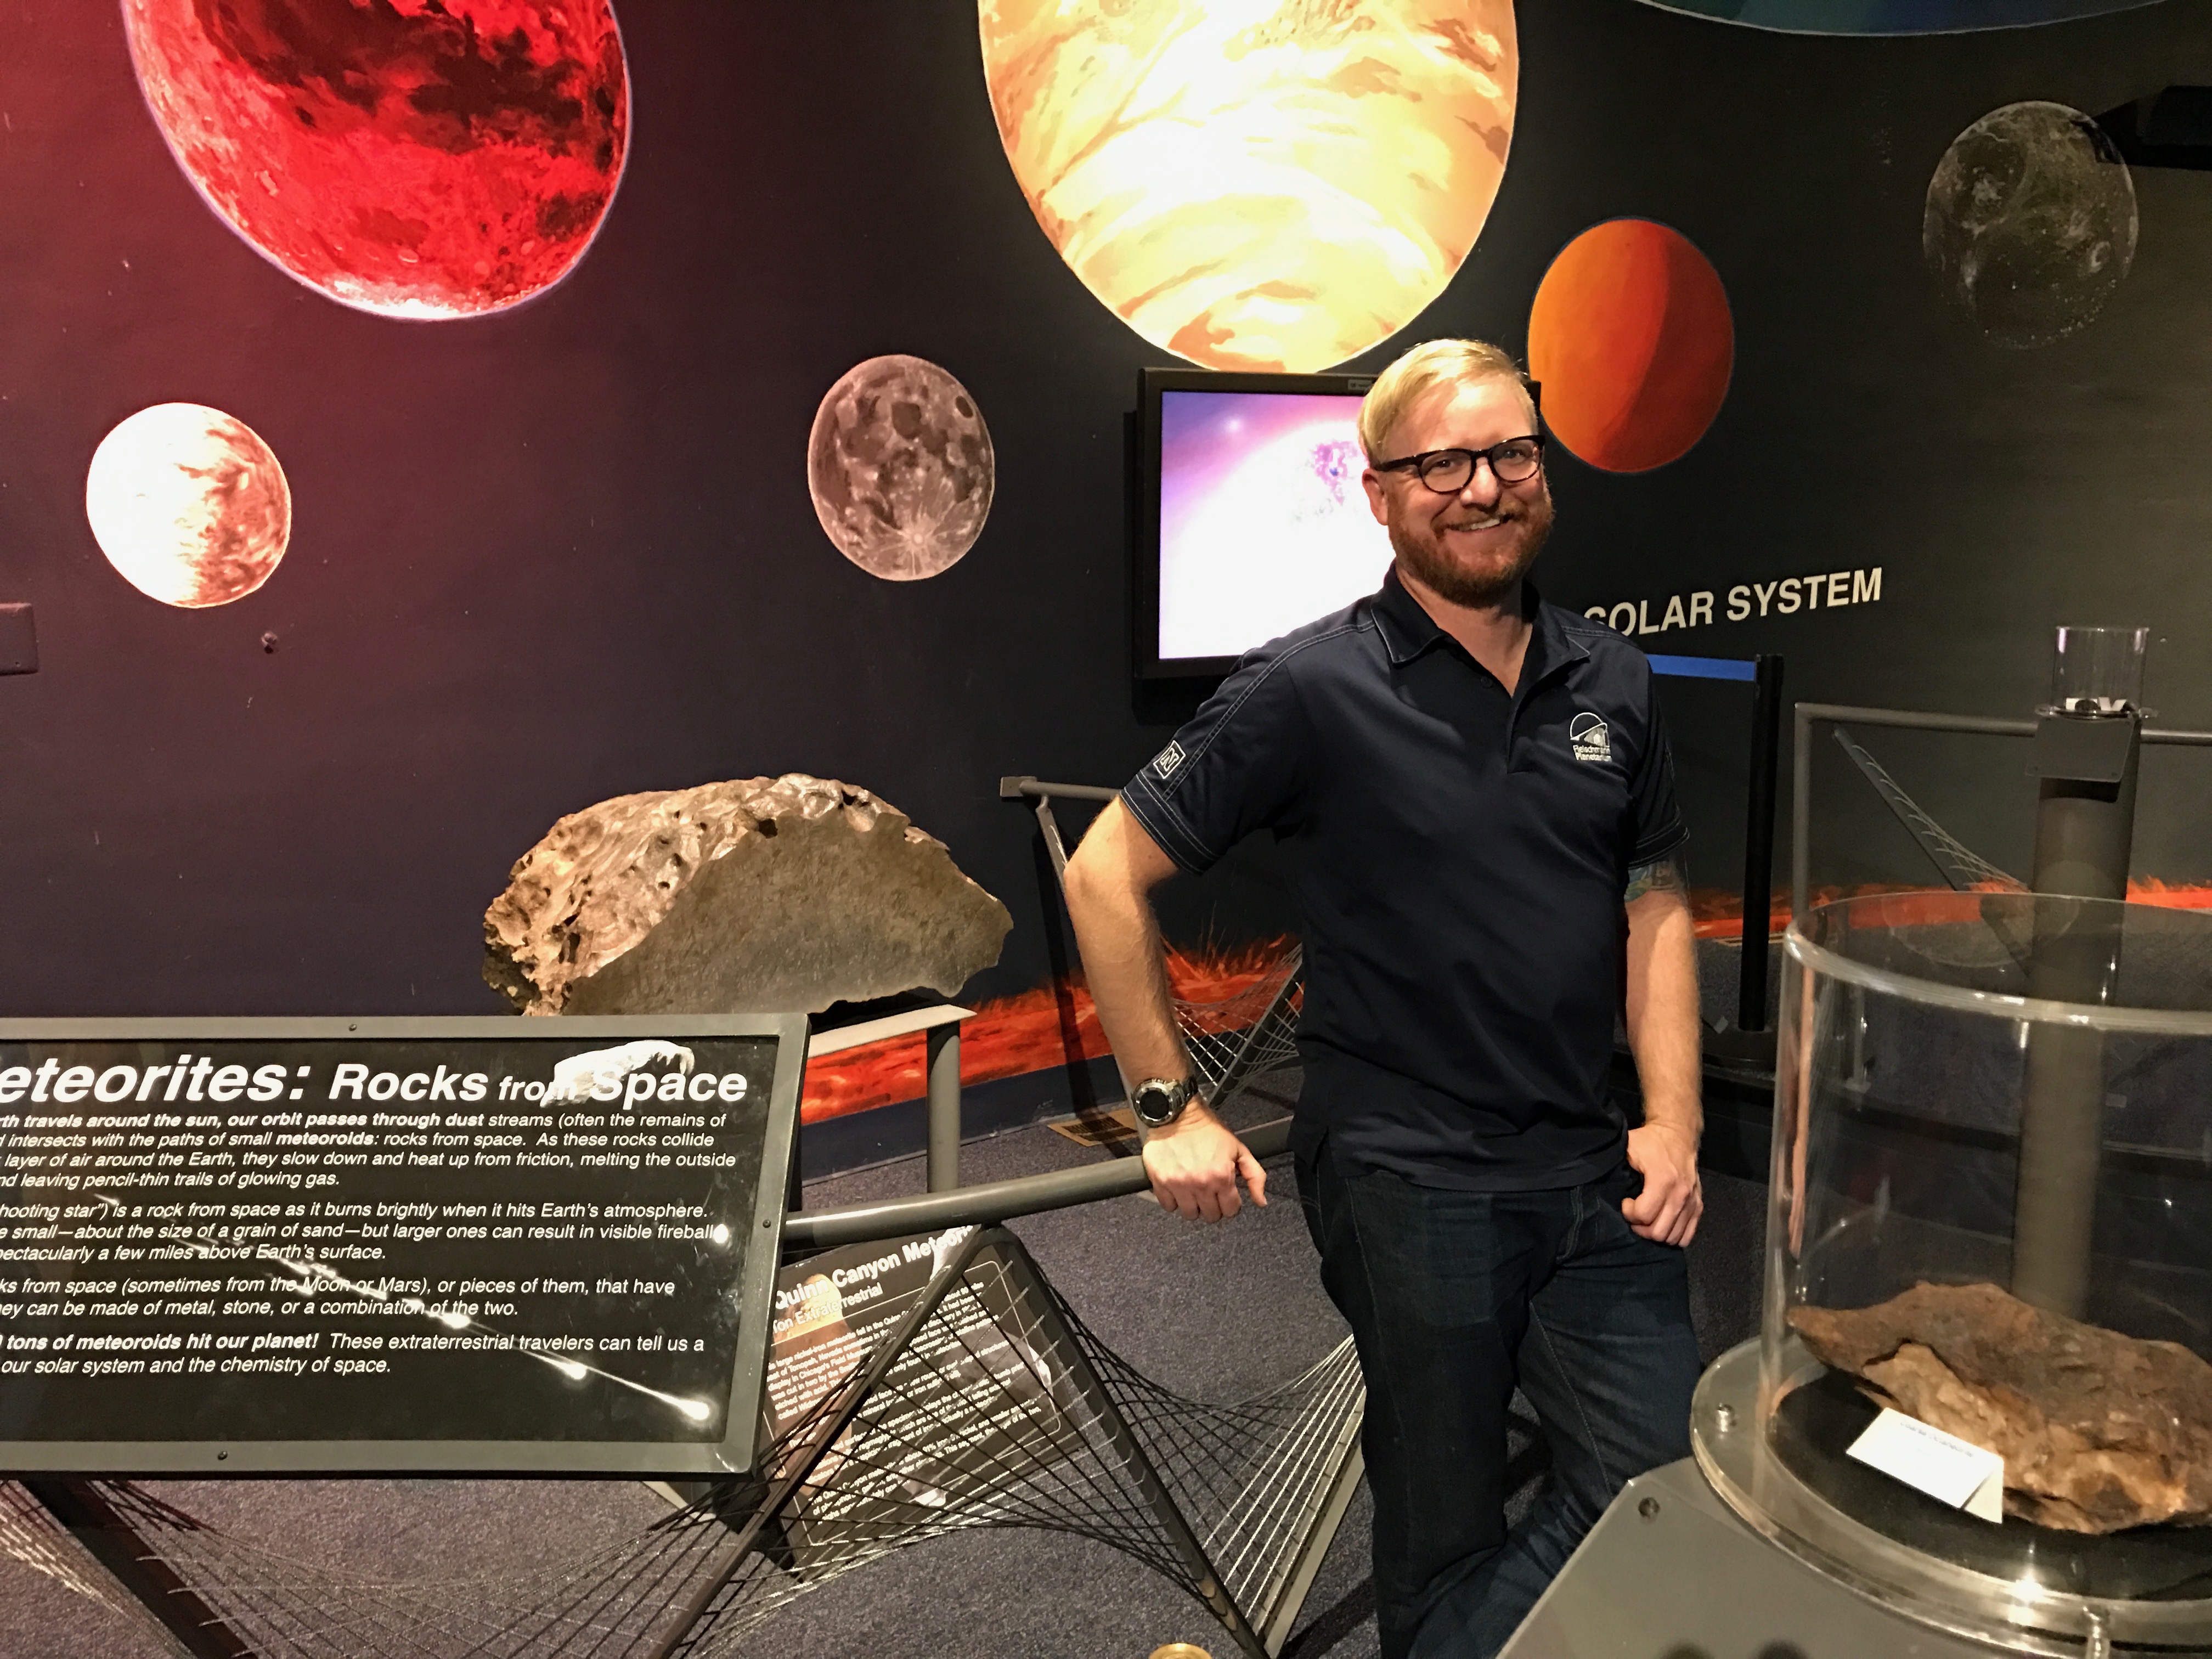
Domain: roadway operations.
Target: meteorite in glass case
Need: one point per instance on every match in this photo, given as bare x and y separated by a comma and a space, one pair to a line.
1992, 1211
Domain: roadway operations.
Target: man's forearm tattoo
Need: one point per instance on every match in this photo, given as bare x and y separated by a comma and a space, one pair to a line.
1661, 876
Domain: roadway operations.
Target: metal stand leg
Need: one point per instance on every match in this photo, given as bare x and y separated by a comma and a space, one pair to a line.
2084, 837
692, 1625
1150, 1487
82, 1507
944, 1051
1307, 1566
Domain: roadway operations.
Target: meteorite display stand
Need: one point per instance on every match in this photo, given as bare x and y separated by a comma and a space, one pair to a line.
988, 1405
1914, 1060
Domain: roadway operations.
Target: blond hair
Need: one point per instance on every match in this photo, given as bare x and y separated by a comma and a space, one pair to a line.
1429, 365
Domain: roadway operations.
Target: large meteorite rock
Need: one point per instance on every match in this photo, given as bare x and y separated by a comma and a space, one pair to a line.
766, 895
2098, 1431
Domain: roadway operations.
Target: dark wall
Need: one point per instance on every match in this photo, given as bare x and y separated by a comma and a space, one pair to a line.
566, 551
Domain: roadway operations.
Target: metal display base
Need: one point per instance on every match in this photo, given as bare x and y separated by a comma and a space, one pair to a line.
988, 1403
1669, 1572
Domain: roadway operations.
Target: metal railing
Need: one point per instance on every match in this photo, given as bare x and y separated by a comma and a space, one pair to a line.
947, 1203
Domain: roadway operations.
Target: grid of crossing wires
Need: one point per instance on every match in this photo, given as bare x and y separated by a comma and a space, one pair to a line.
989, 1404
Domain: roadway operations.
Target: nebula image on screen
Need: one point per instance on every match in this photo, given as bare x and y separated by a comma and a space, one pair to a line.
413, 158
1264, 525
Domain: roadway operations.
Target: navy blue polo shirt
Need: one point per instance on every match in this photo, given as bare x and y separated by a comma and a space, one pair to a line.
1458, 856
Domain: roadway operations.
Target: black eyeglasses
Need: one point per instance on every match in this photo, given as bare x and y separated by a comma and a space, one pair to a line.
1448, 472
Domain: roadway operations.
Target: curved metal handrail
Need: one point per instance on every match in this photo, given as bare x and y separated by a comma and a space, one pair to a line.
995, 1201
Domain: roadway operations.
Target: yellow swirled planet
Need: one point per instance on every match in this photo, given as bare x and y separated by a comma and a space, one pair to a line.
1257, 185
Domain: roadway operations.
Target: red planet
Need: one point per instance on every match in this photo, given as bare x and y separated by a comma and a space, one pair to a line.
414, 158
1631, 339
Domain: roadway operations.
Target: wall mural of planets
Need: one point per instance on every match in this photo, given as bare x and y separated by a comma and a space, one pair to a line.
433, 159
1631, 340
901, 468
1268, 186
188, 505
2031, 223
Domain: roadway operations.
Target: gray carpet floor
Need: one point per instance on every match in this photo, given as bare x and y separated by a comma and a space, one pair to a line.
1212, 1312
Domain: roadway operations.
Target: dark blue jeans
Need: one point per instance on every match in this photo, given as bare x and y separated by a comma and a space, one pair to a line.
1453, 1298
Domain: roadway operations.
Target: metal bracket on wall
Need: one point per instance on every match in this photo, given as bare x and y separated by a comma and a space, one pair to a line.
19, 640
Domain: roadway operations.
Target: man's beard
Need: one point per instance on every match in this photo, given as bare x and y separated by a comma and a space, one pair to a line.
1478, 588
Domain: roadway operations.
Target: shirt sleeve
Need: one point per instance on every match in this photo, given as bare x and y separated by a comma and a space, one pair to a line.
1655, 817
1233, 769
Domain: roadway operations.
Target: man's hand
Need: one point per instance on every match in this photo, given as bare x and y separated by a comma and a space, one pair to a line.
1193, 1164
1666, 1212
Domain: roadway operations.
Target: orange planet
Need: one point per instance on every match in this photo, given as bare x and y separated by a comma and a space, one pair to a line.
1264, 184
1631, 341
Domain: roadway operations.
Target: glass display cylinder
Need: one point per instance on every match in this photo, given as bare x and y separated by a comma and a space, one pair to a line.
2098, 670
2064, 1322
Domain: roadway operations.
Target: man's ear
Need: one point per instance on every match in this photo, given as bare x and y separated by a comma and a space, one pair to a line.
1371, 481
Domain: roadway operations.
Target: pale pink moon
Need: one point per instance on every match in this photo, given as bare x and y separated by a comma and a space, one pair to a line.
188, 505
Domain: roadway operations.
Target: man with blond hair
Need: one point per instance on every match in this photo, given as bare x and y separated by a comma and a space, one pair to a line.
1477, 803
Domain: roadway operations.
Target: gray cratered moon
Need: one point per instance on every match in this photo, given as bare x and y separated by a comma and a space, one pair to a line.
901, 468
2031, 223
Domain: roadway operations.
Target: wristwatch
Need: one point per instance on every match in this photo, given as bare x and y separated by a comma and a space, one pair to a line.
1159, 1101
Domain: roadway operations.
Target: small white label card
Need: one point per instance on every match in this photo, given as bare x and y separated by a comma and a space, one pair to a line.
1948, 1469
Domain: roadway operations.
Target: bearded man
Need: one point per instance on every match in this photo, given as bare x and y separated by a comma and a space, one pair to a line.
1477, 803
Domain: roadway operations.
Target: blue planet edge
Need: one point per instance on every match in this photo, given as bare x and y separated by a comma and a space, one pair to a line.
1893, 16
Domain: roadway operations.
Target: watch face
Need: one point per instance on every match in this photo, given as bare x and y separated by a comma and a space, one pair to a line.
1157, 1103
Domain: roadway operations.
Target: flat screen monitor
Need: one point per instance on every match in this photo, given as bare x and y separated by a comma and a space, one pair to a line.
1251, 521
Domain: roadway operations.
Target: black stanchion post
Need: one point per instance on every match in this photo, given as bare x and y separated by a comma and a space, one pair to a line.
1758, 840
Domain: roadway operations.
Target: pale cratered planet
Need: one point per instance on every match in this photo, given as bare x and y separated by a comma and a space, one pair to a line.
2031, 223
901, 468
188, 505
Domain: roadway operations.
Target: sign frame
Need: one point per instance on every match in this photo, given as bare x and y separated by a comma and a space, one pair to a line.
735, 1454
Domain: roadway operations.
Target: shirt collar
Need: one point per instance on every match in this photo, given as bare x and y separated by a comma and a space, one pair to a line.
1407, 630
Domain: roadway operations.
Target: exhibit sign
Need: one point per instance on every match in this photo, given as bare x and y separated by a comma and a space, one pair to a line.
986, 1390
460, 1245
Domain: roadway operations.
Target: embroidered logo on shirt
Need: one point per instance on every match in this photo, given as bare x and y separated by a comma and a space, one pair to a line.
1592, 741
1164, 766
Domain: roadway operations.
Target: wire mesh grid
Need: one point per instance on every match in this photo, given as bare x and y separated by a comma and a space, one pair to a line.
1963, 868
1234, 1041
31, 1536
34, 1537
992, 1404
